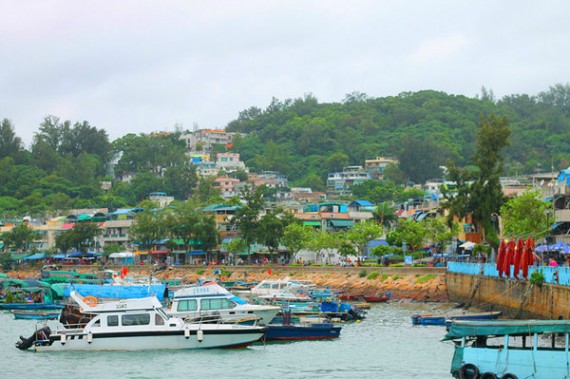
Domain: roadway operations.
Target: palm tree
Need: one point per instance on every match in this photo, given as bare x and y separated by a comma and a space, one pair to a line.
385, 214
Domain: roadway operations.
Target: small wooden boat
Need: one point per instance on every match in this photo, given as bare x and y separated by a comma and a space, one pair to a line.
35, 314
377, 298
428, 319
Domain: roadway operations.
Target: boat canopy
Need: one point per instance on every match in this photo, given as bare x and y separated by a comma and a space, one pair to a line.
460, 329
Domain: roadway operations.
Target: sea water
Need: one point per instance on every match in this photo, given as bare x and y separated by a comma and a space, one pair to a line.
384, 345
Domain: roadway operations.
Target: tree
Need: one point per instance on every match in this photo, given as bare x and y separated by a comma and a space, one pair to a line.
421, 159
147, 229
410, 232
362, 233
81, 236
246, 218
525, 215
272, 228
479, 193
10, 144
111, 248
439, 232
20, 237
296, 237
385, 214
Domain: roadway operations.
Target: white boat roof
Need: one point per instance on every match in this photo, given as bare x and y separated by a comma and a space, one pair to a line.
145, 303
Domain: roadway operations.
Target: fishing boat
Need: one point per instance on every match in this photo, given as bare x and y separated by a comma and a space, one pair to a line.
41, 314
429, 319
213, 302
137, 324
269, 287
510, 349
309, 329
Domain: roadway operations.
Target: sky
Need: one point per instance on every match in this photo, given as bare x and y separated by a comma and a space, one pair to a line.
145, 66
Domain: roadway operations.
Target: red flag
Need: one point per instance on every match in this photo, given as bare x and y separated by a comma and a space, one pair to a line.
269, 271
124, 271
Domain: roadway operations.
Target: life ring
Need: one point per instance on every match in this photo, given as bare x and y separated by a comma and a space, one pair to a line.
469, 371
509, 376
488, 375
90, 300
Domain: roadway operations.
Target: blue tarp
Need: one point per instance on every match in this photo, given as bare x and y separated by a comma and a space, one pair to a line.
35, 257
117, 292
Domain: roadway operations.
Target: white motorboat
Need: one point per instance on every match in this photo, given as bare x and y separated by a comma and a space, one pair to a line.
276, 286
213, 302
137, 324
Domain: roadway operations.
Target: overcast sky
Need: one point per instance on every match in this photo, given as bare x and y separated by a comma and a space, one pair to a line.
143, 66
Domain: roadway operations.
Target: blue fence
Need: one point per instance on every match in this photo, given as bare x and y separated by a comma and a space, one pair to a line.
489, 269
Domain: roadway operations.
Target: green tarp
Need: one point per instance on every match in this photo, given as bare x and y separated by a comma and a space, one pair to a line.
509, 327
342, 223
311, 223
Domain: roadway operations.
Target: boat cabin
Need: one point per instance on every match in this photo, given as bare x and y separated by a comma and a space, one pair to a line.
520, 348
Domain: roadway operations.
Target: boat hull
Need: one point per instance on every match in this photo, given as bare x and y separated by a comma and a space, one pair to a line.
446, 320
30, 306
301, 333
150, 340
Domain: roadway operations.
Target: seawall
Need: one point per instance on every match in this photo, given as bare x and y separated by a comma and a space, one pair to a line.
515, 298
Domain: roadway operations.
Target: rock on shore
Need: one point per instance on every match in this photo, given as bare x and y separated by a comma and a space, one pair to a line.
401, 283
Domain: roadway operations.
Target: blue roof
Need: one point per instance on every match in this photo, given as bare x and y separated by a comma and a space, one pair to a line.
362, 203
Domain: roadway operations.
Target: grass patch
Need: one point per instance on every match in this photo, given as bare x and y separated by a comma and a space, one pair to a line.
372, 275
396, 277
199, 272
362, 273
425, 278
385, 276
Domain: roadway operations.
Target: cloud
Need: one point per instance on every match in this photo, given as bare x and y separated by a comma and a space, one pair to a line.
439, 49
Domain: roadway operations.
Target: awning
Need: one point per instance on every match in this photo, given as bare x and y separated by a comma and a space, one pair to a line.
196, 252
156, 252
311, 223
18, 256
35, 257
342, 223
67, 226
556, 225
123, 254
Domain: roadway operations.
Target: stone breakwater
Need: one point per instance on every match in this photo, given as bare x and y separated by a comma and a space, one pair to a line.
403, 283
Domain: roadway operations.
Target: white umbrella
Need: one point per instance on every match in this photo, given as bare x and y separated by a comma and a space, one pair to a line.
467, 245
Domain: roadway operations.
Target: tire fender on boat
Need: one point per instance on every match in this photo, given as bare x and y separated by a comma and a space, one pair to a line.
488, 375
509, 376
469, 371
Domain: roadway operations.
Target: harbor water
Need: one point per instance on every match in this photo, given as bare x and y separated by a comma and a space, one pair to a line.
384, 345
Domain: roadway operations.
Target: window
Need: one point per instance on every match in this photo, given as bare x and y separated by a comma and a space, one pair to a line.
112, 320
158, 320
187, 305
213, 304
135, 319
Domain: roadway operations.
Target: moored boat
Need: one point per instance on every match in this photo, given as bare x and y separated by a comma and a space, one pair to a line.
41, 314
429, 319
137, 324
302, 332
510, 349
213, 302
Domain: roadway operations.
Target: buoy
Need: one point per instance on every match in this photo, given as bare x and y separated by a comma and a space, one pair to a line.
62, 339
200, 335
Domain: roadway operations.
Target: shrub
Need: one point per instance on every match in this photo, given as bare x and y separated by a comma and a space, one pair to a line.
425, 278
385, 276
537, 277
199, 272
396, 277
372, 275
362, 273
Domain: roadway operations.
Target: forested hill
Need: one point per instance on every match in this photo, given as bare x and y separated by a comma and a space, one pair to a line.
301, 138
305, 139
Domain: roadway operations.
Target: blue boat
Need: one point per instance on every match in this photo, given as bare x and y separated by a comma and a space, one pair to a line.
35, 315
30, 306
301, 332
510, 349
428, 319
